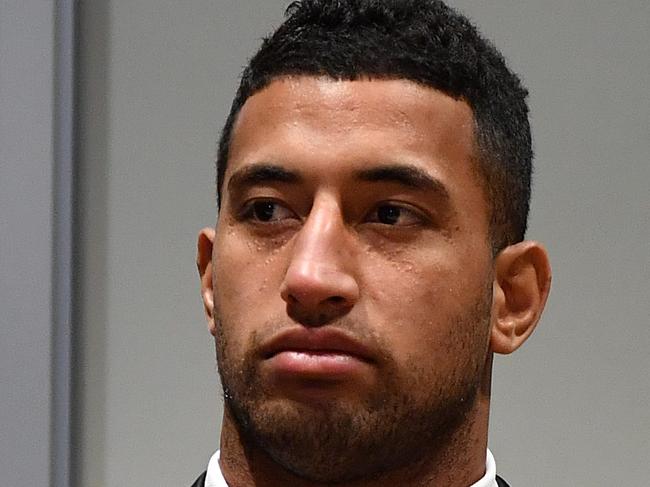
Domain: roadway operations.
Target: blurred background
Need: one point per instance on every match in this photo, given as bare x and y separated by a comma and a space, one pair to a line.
109, 112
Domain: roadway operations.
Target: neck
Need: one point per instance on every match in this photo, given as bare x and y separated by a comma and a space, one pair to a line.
457, 461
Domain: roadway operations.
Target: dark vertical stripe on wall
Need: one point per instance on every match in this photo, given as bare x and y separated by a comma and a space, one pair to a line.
64, 130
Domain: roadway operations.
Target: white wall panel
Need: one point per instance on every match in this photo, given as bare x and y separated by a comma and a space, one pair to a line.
26, 239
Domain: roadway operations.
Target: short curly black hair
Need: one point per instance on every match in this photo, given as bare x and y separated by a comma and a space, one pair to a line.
423, 41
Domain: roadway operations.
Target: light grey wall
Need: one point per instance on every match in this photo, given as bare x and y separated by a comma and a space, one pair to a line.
157, 78
26, 239
571, 407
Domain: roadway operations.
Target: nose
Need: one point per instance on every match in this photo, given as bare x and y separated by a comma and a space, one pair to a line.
318, 286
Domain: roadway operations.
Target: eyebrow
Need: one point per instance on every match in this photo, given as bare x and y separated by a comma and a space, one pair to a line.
406, 175
261, 173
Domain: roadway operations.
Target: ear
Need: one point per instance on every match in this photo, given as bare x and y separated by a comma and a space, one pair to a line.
204, 265
522, 281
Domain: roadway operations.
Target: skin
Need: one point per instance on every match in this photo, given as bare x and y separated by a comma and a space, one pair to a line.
355, 206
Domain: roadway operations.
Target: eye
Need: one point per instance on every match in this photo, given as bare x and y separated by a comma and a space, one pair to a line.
266, 211
394, 214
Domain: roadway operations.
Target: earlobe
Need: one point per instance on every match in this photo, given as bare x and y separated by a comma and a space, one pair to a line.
522, 281
204, 265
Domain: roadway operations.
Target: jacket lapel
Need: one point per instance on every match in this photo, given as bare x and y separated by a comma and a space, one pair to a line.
200, 482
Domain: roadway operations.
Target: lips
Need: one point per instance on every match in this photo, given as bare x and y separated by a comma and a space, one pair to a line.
302, 357
316, 342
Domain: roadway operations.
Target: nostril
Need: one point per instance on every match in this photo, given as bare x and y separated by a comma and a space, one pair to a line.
336, 299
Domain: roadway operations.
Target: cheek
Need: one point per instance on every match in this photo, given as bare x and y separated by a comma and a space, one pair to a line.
244, 268
425, 305
246, 283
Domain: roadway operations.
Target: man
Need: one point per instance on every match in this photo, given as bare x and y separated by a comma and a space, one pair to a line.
369, 256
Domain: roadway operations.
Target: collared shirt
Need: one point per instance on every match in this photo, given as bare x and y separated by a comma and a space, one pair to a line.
215, 478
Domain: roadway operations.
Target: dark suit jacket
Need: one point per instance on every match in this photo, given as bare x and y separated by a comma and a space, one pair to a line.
200, 482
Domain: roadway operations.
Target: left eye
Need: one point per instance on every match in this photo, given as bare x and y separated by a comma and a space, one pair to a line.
267, 211
393, 214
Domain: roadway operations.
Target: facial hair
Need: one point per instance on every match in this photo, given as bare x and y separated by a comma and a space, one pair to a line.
406, 419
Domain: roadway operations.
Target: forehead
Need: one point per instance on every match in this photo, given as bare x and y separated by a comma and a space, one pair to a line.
323, 107
327, 129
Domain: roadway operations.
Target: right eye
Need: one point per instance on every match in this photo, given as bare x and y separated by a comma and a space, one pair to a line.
266, 211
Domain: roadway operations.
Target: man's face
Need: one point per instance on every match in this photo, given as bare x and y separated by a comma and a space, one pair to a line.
352, 273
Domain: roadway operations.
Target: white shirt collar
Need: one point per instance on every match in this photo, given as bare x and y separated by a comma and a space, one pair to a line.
215, 478
490, 477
